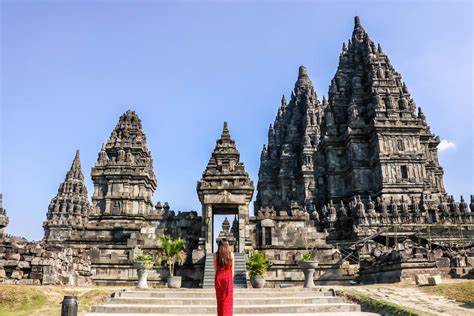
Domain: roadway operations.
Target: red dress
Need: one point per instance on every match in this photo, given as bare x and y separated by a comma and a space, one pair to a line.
224, 285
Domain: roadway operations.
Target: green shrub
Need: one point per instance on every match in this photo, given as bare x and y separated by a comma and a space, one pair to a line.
256, 263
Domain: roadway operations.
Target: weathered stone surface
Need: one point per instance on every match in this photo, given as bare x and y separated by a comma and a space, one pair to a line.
41, 261
17, 274
28, 282
3, 218
69, 209
24, 265
286, 175
10, 263
435, 280
422, 279
13, 256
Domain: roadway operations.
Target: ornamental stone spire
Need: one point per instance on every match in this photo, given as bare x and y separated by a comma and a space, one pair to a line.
70, 208
373, 141
123, 176
224, 163
286, 175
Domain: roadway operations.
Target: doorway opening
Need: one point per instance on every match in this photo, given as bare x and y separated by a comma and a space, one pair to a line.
225, 225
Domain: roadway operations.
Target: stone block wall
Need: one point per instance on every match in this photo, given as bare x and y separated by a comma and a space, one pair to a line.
283, 238
35, 263
399, 265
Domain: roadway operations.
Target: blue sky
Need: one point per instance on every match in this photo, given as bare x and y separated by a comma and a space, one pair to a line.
69, 69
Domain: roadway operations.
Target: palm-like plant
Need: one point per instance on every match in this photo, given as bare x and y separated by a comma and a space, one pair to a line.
172, 252
256, 263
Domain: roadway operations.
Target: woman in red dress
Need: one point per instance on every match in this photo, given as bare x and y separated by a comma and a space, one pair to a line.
224, 281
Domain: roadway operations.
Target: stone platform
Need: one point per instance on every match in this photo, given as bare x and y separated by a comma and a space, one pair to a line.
246, 302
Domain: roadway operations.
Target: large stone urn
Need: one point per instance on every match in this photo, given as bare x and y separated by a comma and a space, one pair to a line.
142, 271
308, 268
257, 281
174, 282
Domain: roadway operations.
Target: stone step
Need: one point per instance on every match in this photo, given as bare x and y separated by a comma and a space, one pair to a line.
238, 301
238, 309
210, 293
210, 283
240, 279
274, 314
248, 302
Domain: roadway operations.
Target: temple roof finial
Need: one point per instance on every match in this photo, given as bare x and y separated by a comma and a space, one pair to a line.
75, 172
225, 131
303, 72
356, 21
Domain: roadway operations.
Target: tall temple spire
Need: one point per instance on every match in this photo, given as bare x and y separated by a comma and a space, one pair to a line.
123, 176
368, 97
286, 165
70, 208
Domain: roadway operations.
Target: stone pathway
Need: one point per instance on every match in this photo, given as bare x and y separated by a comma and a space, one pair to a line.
412, 298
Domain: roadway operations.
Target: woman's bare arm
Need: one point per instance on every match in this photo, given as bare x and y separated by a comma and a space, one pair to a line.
214, 259
232, 256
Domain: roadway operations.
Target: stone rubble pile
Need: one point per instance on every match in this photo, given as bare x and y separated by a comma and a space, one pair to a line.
35, 263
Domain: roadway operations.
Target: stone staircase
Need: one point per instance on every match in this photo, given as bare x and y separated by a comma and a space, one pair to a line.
240, 279
248, 302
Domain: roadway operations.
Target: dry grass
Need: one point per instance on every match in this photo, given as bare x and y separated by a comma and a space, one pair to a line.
20, 300
462, 292
45, 300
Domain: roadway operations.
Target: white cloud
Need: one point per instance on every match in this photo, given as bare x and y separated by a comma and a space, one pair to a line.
446, 145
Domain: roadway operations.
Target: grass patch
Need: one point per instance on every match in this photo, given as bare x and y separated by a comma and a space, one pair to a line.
19, 300
22, 300
93, 297
462, 292
382, 307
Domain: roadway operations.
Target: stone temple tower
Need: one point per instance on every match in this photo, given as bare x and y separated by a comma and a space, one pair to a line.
374, 143
286, 175
123, 176
69, 209
225, 188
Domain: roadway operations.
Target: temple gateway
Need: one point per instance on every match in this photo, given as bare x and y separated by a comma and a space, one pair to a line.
355, 177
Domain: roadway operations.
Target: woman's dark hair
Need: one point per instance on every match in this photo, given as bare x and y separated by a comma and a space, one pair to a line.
223, 253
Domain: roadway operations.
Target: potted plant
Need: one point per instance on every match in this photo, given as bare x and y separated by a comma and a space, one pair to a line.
308, 266
143, 263
172, 252
257, 266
